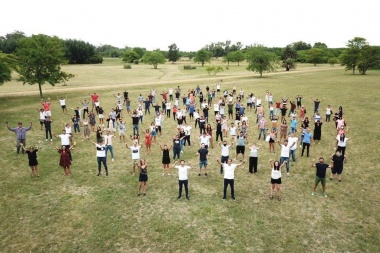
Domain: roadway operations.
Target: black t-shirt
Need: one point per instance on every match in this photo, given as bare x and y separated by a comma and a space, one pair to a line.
135, 119
176, 144
283, 111
321, 169
203, 154
338, 161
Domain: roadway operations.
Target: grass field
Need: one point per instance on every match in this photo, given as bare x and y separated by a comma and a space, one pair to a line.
86, 213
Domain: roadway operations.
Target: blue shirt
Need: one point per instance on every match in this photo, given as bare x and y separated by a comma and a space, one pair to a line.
307, 137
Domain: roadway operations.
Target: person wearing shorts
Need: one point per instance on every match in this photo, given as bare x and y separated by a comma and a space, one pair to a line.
203, 153
320, 175
276, 178
42, 117
135, 149
240, 145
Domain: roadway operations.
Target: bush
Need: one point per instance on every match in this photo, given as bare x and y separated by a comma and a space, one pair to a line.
95, 59
136, 62
127, 66
189, 67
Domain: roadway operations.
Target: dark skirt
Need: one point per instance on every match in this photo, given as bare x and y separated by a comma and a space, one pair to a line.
143, 178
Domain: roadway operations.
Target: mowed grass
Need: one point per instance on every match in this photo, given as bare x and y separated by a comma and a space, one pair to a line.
86, 213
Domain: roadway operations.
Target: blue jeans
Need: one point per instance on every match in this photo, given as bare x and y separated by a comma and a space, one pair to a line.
110, 148
282, 159
262, 130
181, 143
293, 154
135, 129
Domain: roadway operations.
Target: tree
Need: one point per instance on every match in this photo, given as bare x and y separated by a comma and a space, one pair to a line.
351, 56
202, 56
238, 56
8, 63
315, 55
300, 45
154, 58
260, 60
130, 56
173, 54
40, 60
80, 52
320, 45
369, 58
140, 51
289, 57
214, 69
9, 42
229, 58
332, 61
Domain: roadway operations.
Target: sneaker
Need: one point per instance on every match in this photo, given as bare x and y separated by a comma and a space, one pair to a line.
107, 174
51, 139
288, 174
113, 160
98, 174
224, 198
138, 194
181, 151
313, 194
179, 198
168, 174
46, 140
199, 174
233, 199
162, 174
187, 198
324, 195
206, 174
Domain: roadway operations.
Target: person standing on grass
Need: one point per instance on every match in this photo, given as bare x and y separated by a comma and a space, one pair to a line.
328, 113
94, 99
306, 142
108, 140
262, 126
62, 102
32, 157
92, 120
42, 117
46, 105
135, 149
240, 146
316, 103
320, 175
253, 158
317, 131
293, 140
299, 100
101, 155
20, 135
183, 178
341, 143
85, 104
225, 153
337, 168
64, 161
276, 178
143, 177
285, 152
148, 141
165, 159
203, 153
229, 176
47, 124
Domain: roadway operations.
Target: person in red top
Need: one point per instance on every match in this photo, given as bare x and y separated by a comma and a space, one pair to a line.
164, 95
46, 105
148, 141
94, 98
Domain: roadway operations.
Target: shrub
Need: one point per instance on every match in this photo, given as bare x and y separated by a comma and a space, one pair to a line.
136, 62
189, 67
95, 59
127, 66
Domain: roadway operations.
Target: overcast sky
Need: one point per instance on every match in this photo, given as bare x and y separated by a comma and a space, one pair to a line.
192, 24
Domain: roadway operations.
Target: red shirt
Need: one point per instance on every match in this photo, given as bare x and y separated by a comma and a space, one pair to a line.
46, 106
94, 98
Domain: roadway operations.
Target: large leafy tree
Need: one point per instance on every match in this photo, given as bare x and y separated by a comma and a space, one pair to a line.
352, 56
173, 53
369, 58
238, 56
140, 51
289, 57
300, 45
202, 56
154, 58
40, 60
260, 60
130, 56
8, 63
9, 42
315, 55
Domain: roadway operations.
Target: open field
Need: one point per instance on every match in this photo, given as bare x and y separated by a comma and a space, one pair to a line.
86, 213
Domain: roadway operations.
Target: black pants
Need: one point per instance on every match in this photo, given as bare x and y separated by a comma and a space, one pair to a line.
100, 161
307, 145
342, 150
223, 159
168, 111
196, 123
231, 183
183, 183
253, 164
219, 134
187, 139
48, 131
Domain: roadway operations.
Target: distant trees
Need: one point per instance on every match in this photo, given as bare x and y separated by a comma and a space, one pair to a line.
154, 58
80, 52
234, 56
202, 56
109, 51
221, 49
361, 55
214, 69
40, 59
300, 45
173, 53
315, 55
9, 42
289, 57
130, 56
261, 60
8, 63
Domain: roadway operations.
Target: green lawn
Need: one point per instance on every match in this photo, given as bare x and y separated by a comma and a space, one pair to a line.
86, 213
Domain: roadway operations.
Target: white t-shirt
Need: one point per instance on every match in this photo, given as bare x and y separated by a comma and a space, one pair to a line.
285, 150
135, 152
65, 139
216, 107
42, 115
157, 121
292, 140
205, 139
182, 172
225, 150
276, 174
232, 131
62, 102
187, 129
341, 143
100, 150
229, 170
253, 152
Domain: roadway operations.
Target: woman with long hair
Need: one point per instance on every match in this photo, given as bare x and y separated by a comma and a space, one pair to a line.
272, 140
165, 159
64, 160
276, 178
209, 132
283, 129
143, 177
32, 157
148, 141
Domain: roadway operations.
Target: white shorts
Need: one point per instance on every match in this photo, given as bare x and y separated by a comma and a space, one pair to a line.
101, 116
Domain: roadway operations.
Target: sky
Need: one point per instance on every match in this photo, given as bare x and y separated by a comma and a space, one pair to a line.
192, 24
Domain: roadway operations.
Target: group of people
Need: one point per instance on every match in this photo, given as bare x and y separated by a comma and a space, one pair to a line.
230, 123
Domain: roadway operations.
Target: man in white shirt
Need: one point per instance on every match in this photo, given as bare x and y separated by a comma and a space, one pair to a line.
183, 179
293, 139
204, 139
229, 176
135, 149
285, 152
101, 155
225, 153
